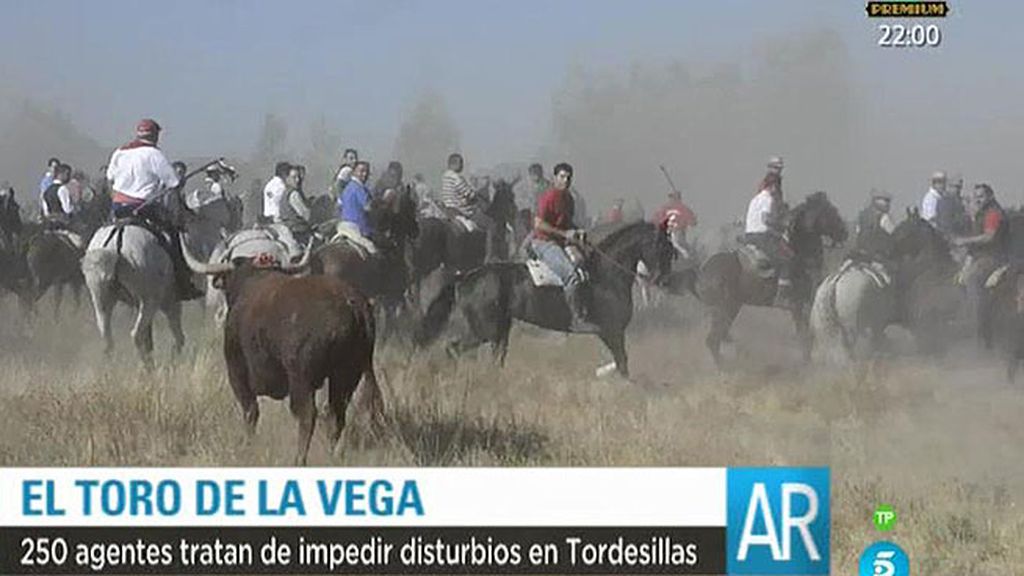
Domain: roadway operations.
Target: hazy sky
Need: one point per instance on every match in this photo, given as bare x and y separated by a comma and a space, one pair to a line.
209, 70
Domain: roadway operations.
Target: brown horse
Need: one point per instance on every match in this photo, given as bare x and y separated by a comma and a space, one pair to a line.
724, 284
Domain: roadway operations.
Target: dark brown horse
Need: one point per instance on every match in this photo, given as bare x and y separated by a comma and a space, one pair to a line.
383, 278
725, 285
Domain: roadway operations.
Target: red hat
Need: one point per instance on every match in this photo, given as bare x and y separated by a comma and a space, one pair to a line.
147, 127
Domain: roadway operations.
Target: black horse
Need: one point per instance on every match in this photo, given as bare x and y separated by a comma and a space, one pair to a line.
725, 284
384, 278
13, 268
487, 299
929, 301
442, 241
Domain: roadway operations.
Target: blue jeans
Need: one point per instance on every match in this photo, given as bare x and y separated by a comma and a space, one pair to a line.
555, 257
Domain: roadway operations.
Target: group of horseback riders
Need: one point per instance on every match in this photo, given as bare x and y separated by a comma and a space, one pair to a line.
140, 174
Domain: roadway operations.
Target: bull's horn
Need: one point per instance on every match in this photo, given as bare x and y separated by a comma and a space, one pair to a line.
304, 262
201, 267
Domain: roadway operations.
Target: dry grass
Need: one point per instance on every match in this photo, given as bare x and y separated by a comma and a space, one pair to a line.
940, 440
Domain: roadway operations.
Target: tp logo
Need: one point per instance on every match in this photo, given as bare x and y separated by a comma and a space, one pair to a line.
777, 521
884, 559
884, 517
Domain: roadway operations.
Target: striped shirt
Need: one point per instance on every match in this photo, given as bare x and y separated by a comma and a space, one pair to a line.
456, 193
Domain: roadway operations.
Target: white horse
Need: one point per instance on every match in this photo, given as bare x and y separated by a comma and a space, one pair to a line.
126, 262
857, 300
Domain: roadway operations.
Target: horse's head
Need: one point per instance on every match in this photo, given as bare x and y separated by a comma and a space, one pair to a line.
394, 215
321, 208
404, 208
819, 218
658, 254
915, 237
639, 241
502, 207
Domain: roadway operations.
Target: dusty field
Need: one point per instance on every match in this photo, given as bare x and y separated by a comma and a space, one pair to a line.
940, 440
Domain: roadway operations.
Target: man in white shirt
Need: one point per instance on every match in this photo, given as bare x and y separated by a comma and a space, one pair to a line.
274, 191
211, 191
140, 176
931, 200
765, 228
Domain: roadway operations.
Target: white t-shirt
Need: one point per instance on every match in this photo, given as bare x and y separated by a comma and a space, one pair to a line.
930, 205
272, 194
760, 206
140, 172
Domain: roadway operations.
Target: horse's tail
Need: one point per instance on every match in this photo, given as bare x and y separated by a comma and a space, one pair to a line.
100, 270
826, 325
438, 310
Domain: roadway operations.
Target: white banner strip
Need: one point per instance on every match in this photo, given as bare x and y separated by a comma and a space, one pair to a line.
362, 496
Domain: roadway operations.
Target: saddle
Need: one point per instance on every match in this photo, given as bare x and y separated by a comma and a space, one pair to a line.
73, 240
542, 274
755, 261
997, 276
348, 233
117, 232
467, 225
873, 269
255, 240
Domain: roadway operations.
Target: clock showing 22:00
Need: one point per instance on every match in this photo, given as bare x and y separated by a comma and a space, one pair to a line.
914, 36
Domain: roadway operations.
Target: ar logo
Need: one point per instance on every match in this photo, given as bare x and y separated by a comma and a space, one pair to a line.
778, 521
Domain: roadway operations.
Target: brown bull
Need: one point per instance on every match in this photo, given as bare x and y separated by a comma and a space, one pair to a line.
284, 335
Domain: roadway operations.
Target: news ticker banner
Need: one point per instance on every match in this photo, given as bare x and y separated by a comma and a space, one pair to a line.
414, 520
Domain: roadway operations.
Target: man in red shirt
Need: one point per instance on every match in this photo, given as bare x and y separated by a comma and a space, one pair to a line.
554, 234
987, 250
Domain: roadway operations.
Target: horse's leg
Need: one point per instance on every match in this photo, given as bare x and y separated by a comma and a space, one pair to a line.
142, 332
103, 301
803, 331
58, 299
173, 313
722, 317
76, 292
499, 347
615, 340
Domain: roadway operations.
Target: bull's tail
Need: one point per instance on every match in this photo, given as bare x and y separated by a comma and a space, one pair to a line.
437, 311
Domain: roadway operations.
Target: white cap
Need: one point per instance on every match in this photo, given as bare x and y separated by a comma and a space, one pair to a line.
775, 162
939, 175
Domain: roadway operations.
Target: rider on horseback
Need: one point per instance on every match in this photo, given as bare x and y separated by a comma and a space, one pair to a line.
293, 211
354, 208
140, 174
460, 199
554, 234
875, 227
987, 251
57, 203
765, 229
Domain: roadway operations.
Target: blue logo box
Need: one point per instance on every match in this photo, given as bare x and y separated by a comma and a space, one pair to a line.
778, 521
